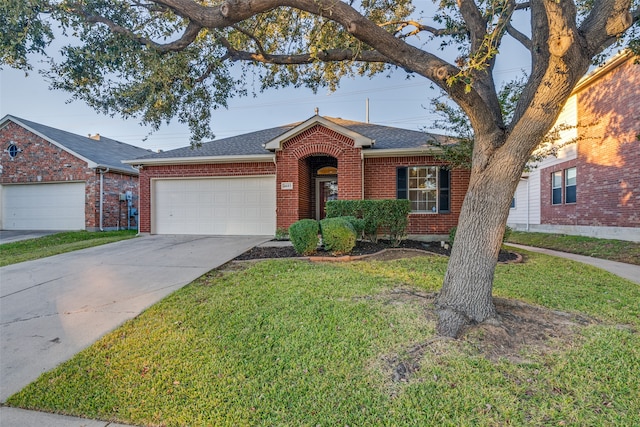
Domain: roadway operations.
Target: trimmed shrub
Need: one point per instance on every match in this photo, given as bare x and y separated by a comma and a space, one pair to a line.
452, 235
304, 236
357, 223
338, 235
390, 215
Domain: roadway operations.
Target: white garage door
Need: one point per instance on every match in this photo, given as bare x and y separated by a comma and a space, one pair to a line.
57, 206
215, 206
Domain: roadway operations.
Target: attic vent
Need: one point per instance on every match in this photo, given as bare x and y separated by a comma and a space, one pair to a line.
12, 150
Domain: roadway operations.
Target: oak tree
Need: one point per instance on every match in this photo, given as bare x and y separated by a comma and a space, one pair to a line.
161, 59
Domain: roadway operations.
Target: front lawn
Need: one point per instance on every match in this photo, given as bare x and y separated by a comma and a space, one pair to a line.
613, 250
54, 244
292, 343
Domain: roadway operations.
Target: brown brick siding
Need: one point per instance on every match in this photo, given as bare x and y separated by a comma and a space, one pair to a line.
297, 162
294, 166
43, 162
380, 183
608, 159
564, 213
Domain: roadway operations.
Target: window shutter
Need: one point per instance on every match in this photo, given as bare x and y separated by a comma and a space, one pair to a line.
401, 183
445, 190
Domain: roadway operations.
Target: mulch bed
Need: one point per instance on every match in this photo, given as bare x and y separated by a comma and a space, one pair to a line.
362, 248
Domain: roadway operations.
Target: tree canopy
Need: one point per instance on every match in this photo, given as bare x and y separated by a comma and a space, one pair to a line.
160, 59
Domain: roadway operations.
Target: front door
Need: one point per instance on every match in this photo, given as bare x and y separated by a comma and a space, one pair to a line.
326, 189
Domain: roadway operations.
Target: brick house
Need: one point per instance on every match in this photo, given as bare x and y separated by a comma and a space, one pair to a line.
55, 180
266, 180
592, 187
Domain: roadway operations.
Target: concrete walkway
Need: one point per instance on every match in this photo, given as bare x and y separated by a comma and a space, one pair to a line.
626, 271
52, 308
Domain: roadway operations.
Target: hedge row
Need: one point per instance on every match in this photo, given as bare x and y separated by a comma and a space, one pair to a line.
387, 215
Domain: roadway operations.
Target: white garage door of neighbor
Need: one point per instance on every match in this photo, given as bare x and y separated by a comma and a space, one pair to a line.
58, 206
215, 206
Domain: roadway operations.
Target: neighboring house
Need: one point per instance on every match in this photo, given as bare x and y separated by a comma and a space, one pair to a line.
592, 187
55, 180
266, 180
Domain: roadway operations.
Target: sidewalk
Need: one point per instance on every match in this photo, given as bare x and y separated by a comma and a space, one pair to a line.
626, 271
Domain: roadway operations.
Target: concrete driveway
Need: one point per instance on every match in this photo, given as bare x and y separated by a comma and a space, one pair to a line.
52, 308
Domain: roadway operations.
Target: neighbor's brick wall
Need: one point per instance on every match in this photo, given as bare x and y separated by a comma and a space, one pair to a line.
562, 214
608, 174
148, 173
380, 183
43, 162
114, 211
608, 161
39, 161
296, 204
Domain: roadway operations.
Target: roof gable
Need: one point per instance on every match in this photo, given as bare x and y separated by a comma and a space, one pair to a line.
359, 140
105, 152
375, 140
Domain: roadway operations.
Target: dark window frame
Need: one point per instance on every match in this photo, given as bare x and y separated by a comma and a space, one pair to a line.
442, 188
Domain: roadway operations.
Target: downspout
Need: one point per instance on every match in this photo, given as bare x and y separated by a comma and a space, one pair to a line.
102, 172
362, 172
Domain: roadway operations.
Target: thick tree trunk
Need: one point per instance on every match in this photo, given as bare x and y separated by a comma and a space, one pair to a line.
466, 295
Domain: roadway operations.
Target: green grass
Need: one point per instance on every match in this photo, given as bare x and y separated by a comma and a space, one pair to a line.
41, 247
295, 343
614, 250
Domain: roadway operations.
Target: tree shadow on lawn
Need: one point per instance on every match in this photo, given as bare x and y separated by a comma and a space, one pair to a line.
521, 329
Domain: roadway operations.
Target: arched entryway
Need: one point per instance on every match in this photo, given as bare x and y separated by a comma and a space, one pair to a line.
322, 183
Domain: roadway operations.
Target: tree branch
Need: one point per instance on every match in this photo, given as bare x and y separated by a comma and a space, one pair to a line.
332, 55
523, 39
401, 25
188, 37
606, 22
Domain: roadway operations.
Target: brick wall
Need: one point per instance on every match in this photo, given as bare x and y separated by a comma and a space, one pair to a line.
608, 174
191, 171
380, 183
293, 166
564, 213
608, 160
41, 161
114, 211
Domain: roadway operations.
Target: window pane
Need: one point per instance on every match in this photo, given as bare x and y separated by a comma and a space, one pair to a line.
556, 197
570, 194
570, 176
513, 203
556, 181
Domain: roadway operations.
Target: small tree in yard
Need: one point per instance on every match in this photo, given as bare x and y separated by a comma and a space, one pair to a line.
160, 59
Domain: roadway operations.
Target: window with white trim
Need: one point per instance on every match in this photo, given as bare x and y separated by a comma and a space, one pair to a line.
563, 186
556, 188
426, 187
570, 185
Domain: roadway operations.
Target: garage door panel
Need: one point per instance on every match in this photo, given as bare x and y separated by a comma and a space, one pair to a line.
57, 206
218, 206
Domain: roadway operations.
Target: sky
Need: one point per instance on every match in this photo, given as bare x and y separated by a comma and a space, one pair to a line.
393, 101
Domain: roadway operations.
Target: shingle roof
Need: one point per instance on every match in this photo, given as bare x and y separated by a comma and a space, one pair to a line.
252, 143
104, 152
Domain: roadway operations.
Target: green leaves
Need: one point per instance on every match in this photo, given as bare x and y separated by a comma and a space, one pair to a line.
23, 31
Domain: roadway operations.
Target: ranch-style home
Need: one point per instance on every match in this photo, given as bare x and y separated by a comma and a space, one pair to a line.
56, 180
592, 186
266, 180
